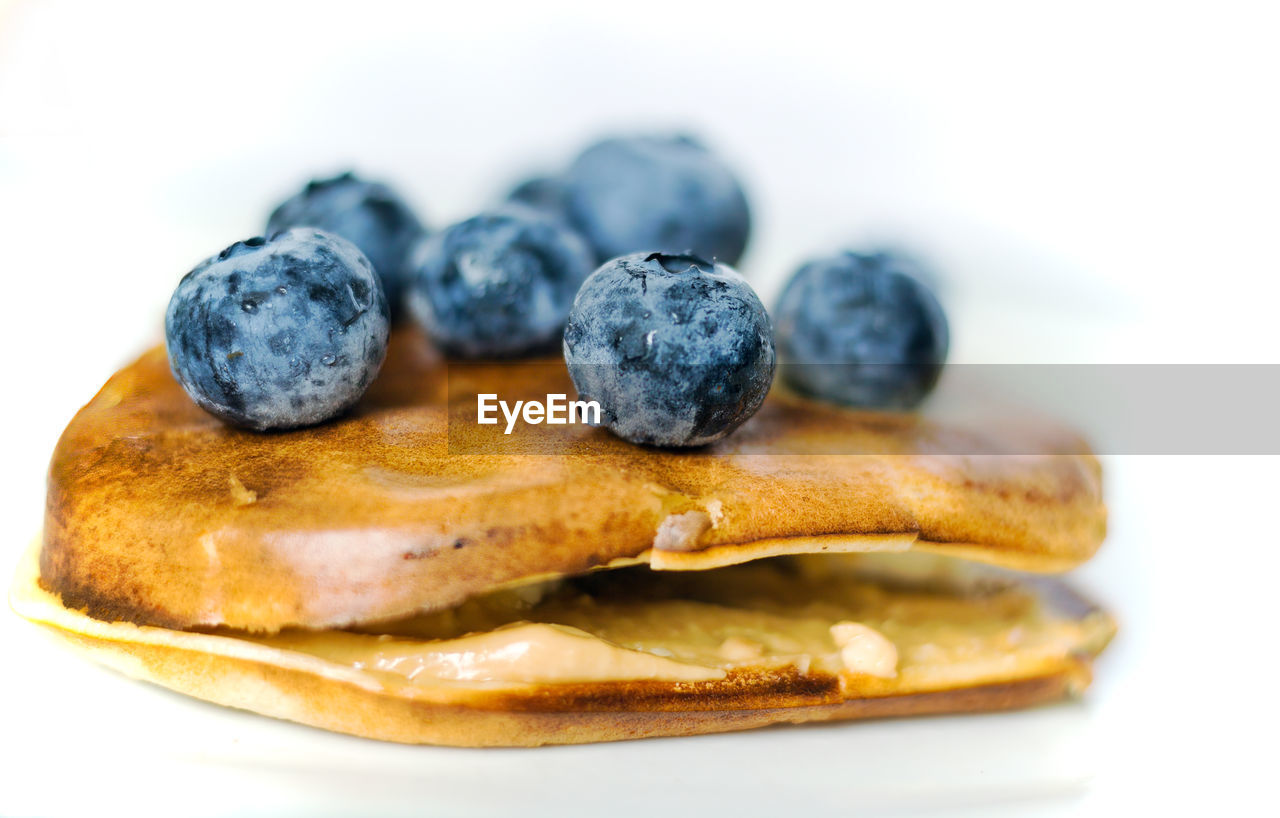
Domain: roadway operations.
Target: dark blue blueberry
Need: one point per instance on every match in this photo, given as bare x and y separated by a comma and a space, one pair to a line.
279, 333
498, 284
545, 193
370, 215
861, 330
667, 193
676, 350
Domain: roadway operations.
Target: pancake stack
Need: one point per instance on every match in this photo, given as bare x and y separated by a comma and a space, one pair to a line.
404, 574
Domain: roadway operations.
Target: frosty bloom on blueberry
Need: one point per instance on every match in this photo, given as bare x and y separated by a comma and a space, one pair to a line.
370, 215
498, 284
861, 330
666, 193
278, 333
677, 351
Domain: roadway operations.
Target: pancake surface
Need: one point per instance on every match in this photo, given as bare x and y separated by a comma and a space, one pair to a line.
160, 515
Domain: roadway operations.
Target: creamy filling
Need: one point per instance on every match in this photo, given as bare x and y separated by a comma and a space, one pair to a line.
874, 624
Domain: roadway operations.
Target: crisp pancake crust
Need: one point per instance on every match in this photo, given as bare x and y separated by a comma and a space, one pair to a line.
159, 514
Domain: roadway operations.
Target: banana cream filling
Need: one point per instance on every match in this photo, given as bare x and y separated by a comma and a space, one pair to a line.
883, 624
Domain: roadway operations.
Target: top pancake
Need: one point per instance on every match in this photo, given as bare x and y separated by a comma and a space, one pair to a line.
160, 514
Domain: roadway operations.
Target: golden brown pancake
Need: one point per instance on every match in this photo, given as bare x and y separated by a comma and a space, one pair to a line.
160, 514
272, 571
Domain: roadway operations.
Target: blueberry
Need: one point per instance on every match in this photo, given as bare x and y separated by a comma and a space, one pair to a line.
677, 351
545, 193
668, 193
279, 333
368, 214
498, 284
861, 330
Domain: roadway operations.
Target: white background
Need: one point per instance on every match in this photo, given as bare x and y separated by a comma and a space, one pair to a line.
1093, 182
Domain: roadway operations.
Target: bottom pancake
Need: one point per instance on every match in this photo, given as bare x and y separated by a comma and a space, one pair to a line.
632, 653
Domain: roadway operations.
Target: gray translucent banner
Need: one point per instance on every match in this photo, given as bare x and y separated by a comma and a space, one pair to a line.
975, 410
